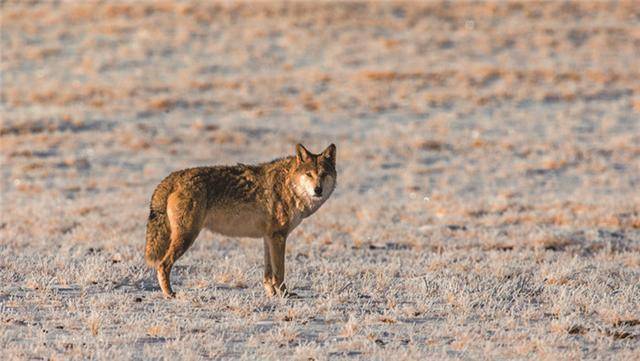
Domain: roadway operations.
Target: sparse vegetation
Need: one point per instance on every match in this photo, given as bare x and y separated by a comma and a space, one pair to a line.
487, 202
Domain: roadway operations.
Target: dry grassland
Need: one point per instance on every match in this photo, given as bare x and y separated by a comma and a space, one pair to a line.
488, 203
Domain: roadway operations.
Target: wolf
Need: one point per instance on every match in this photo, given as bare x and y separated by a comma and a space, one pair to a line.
267, 201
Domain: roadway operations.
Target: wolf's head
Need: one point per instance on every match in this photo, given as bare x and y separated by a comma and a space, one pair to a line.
315, 175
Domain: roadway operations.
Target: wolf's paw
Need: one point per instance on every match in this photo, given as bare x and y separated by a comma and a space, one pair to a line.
284, 292
268, 287
169, 295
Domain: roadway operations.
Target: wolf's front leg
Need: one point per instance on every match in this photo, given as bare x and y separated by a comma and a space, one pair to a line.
268, 273
277, 243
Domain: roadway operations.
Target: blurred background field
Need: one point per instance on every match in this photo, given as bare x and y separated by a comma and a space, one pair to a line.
487, 201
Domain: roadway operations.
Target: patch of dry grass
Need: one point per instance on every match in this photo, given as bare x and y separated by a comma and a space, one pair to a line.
487, 203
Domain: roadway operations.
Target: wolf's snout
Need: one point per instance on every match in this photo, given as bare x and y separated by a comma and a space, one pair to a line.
318, 191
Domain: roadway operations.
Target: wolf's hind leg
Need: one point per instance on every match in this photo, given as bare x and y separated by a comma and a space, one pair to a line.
179, 245
185, 219
163, 271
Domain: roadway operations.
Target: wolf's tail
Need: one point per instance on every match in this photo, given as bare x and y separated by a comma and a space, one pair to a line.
158, 228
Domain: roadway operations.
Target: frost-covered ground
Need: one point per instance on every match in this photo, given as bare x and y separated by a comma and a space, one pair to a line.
489, 173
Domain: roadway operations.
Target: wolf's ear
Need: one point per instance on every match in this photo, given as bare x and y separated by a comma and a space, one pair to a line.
302, 154
330, 153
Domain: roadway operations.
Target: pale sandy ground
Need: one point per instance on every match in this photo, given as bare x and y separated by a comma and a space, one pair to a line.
488, 203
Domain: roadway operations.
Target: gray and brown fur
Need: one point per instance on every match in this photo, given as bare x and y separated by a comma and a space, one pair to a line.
260, 201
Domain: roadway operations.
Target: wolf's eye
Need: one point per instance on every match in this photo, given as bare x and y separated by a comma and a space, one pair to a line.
309, 174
